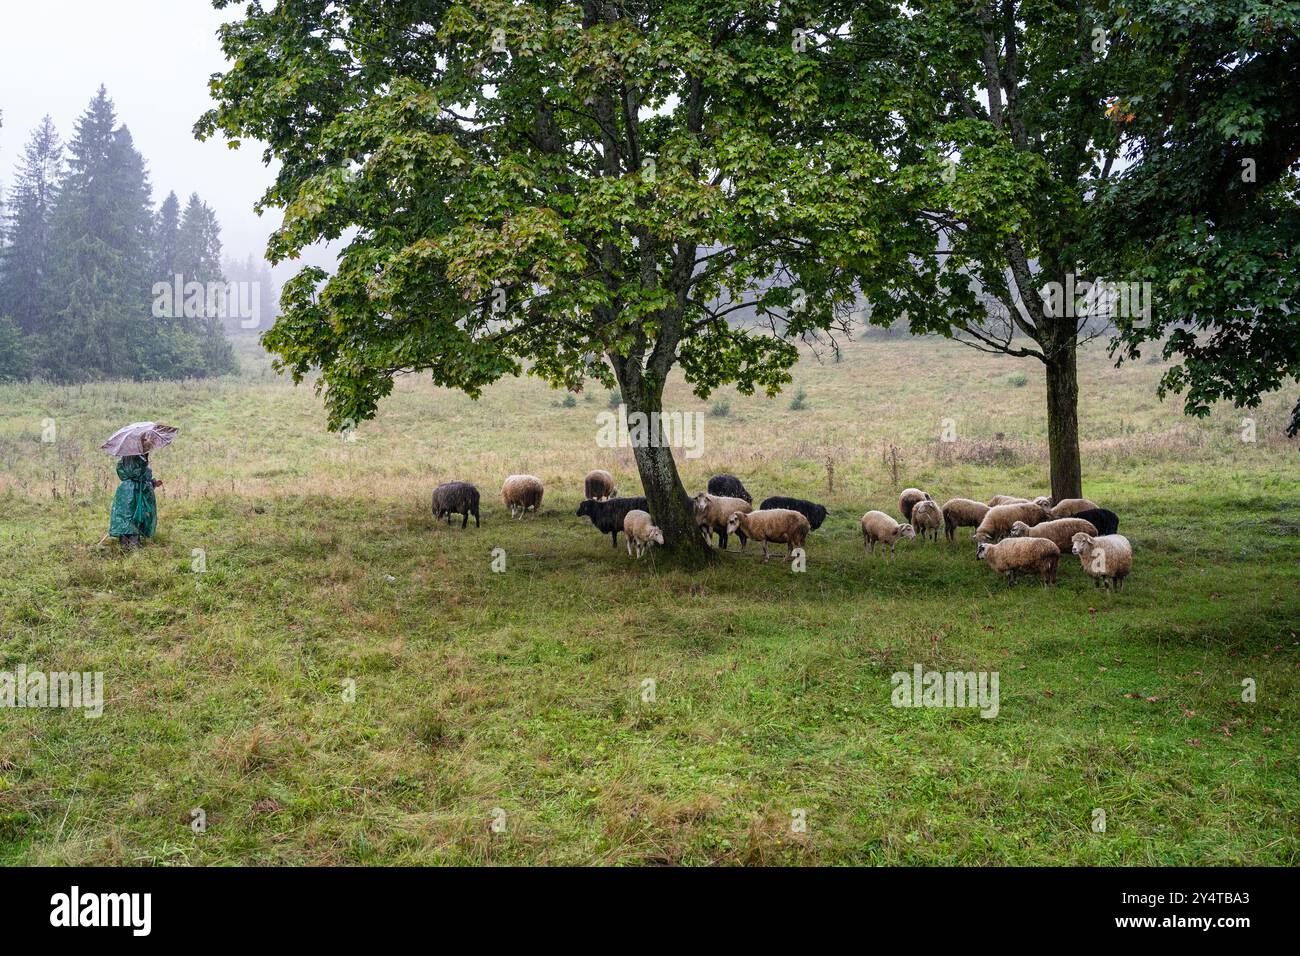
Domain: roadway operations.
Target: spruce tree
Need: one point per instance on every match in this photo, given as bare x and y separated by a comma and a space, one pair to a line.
30, 210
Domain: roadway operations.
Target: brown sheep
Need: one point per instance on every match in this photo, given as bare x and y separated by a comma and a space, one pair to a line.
1060, 531
1070, 507
521, 492
1021, 556
713, 514
599, 484
997, 523
775, 524
1006, 500
962, 513
908, 499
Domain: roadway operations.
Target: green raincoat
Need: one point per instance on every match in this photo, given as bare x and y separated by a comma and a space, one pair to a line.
135, 509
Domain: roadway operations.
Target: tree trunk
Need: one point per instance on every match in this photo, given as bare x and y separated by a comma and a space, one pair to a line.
670, 506
1063, 422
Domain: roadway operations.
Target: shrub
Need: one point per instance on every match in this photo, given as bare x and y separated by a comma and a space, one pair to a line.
1018, 380
721, 408
615, 398
800, 401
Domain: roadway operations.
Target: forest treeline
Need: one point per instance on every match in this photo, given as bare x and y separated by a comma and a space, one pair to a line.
82, 252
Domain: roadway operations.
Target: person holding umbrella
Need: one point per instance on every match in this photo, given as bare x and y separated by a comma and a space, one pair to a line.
135, 507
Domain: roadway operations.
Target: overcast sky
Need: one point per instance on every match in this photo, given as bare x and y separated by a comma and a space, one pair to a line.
155, 57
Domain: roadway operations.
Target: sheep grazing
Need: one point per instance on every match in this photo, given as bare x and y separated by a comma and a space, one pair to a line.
599, 484
729, 486
1022, 556
815, 513
1070, 507
878, 526
608, 516
927, 519
456, 497
713, 514
962, 513
1106, 522
1106, 558
1059, 531
521, 492
640, 532
997, 523
1006, 500
908, 499
773, 524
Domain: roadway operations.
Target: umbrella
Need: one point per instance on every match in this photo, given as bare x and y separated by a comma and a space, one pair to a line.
139, 439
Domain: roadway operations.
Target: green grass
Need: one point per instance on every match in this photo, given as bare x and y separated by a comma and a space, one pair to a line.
523, 690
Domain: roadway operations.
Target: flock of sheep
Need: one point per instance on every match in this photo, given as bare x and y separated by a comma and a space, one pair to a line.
1014, 536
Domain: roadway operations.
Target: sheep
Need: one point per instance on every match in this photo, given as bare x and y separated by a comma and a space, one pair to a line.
1044, 501
640, 532
908, 499
815, 513
1006, 500
1060, 531
713, 513
1070, 507
962, 513
521, 492
878, 526
729, 486
456, 497
1106, 522
1021, 555
927, 519
608, 516
599, 484
1106, 558
997, 523
773, 524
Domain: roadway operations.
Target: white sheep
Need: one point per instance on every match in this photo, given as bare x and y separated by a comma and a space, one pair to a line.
878, 526
1106, 558
1015, 556
927, 519
640, 532
1060, 531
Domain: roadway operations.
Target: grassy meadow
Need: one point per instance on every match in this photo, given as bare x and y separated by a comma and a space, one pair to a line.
499, 717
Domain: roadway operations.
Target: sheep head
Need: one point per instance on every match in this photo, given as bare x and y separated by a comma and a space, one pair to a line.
1081, 543
982, 550
1018, 530
907, 531
733, 522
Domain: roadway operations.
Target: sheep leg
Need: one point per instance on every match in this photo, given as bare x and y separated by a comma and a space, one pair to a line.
629, 547
613, 538
465, 524
765, 549
722, 539
477, 524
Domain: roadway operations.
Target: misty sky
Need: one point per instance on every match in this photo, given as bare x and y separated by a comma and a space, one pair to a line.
155, 57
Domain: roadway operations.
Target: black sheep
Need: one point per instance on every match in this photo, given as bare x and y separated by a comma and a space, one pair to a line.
456, 497
815, 513
1103, 519
608, 515
728, 486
